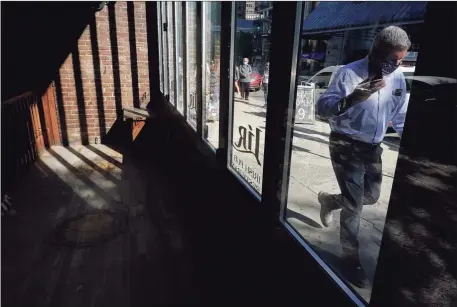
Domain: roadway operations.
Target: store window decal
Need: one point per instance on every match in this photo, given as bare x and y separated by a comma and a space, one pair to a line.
251, 79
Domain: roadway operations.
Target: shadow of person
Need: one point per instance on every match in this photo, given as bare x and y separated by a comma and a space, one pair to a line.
302, 218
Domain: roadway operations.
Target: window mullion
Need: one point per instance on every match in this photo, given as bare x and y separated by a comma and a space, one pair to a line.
166, 80
160, 45
287, 17
175, 53
200, 80
185, 88
226, 76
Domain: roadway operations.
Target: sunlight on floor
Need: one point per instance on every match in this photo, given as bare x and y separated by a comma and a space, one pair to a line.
93, 172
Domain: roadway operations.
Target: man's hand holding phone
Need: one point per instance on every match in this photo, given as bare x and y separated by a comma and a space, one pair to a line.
364, 90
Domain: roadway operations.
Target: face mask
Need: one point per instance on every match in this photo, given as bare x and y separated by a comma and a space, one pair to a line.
245, 63
388, 67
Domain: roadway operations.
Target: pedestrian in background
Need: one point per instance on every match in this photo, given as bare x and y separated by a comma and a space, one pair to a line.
245, 78
362, 99
265, 78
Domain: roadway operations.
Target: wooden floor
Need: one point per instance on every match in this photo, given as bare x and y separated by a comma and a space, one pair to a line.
144, 264
194, 236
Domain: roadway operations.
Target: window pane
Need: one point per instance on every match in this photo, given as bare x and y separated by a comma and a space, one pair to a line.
179, 57
165, 46
252, 45
343, 160
191, 28
211, 70
171, 53
159, 27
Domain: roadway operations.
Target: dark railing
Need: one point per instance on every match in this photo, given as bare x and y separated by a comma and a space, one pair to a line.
29, 126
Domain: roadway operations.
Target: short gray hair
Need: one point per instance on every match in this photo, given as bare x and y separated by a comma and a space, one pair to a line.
392, 37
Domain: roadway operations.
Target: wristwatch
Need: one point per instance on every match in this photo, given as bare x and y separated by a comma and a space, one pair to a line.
342, 104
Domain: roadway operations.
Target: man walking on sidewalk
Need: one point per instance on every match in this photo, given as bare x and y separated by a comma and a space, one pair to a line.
245, 78
359, 103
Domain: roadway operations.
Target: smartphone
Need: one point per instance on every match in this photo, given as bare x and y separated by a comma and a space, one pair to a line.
366, 86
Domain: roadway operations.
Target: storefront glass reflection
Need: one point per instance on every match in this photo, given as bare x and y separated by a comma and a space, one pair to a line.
179, 57
171, 53
159, 28
163, 18
251, 77
211, 70
191, 45
352, 98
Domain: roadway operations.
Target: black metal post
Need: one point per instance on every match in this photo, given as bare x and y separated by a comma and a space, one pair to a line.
226, 81
285, 37
155, 48
417, 263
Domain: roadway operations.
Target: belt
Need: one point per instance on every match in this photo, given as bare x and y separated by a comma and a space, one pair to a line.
346, 138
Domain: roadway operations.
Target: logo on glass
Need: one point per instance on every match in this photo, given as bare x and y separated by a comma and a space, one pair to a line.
248, 142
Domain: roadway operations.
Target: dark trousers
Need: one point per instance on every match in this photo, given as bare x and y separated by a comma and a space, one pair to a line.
244, 87
358, 170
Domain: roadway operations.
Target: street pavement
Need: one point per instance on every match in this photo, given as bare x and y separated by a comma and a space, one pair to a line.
311, 172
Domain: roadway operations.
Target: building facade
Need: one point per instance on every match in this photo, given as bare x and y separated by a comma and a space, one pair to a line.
246, 10
342, 38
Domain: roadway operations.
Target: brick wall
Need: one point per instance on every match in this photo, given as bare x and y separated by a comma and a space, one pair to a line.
107, 70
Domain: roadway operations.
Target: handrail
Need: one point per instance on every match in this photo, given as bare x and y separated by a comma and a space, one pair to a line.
17, 98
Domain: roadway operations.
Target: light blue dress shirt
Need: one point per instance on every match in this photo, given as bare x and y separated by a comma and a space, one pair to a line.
368, 120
